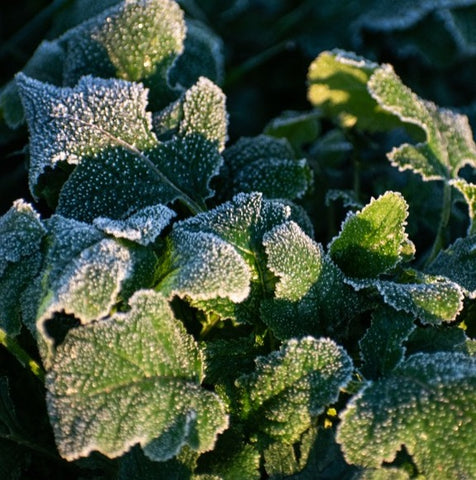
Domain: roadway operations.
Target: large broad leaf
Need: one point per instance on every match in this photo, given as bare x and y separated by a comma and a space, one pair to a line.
132, 378
310, 294
373, 240
458, 263
68, 124
426, 405
265, 164
21, 233
293, 385
218, 254
469, 193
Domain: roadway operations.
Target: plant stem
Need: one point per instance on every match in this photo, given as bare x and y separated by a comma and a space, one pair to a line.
444, 219
21, 355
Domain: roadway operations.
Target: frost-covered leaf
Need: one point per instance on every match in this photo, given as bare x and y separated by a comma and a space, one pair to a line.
218, 253
449, 141
291, 386
310, 294
338, 85
143, 227
268, 165
112, 385
432, 299
469, 193
445, 338
373, 240
427, 405
203, 55
68, 124
458, 263
21, 234
382, 347
135, 41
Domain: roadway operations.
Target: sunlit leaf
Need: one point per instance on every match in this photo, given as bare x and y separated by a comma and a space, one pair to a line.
469, 193
112, 384
426, 405
373, 240
293, 385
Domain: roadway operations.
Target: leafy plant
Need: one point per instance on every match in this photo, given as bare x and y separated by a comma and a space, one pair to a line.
290, 304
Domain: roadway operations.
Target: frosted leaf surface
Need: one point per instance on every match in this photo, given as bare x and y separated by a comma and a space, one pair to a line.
67, 124
143, 227
133, 378
373, 240
449, 141
469, 193
458, 263
268, 165
427, 405
21, 232
291, 386
204, 113
310, 294
132, 40
338, 85
382, 347
432, 299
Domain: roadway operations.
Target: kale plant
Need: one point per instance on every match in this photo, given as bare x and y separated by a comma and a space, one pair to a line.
298, 303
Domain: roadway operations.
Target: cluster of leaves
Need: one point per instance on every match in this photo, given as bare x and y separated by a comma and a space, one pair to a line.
286, 306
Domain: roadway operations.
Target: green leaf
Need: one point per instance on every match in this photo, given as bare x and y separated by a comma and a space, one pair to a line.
445, 338
427, 405
458, 263
112, 385
382, 347
338, 85
432, 299
268, 165
310, 294
449, 141
218, 253
68, 124
373, 240
293, 385
469, 193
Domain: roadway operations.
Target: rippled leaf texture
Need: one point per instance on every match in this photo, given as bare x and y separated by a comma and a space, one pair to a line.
382, 347
21, 233
310, 294
143, 227
68, 124
338, 85
135, 40
432, 299
268, 165
218, 254
427, 405
469, 193
373, 240
291, 386
132, 378
449, 141
458, 263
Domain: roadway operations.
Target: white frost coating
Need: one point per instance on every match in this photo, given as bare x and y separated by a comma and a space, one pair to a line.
143, 227
67, 124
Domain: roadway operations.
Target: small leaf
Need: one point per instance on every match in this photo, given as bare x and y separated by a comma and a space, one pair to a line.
382, 347
469, 193
113, 382
268, 165
68, 124
310, 294
293, 385
432, 299
338, 85
458, 263
143, 227
427, 405
373, 240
